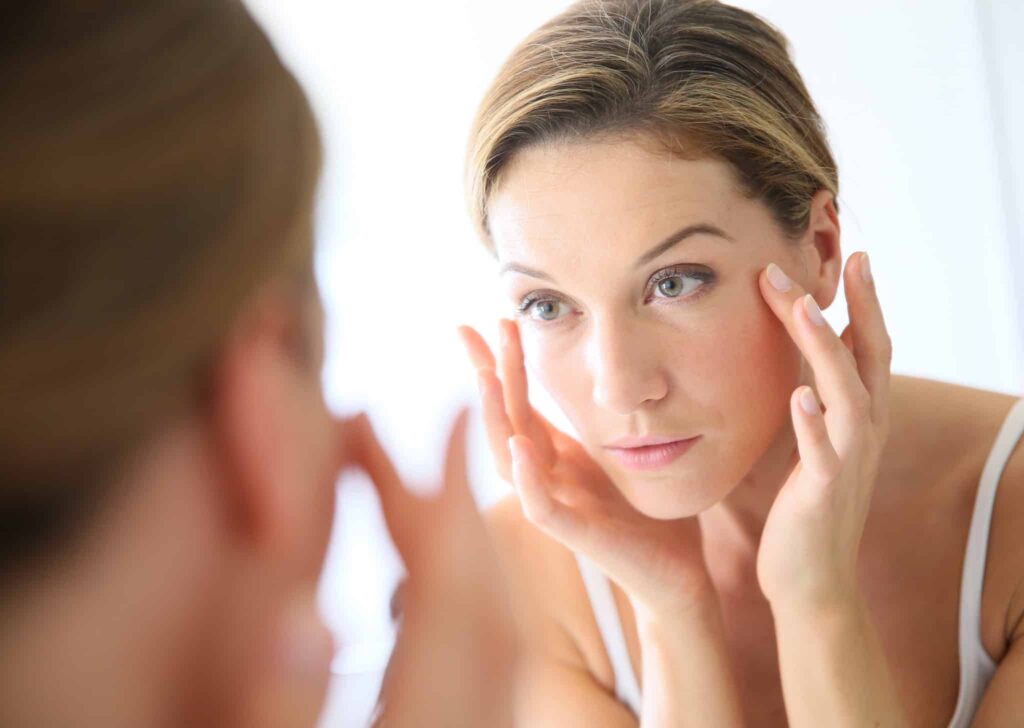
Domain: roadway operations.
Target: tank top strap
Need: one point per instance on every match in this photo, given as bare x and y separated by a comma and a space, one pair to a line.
609, 624
976, 665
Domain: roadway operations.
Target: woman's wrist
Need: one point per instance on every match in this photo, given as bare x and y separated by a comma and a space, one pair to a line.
692, 597
687, 670
697, 609
832, 662
837, 604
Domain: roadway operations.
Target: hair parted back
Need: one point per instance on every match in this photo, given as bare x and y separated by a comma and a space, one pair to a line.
159, 164
699, 77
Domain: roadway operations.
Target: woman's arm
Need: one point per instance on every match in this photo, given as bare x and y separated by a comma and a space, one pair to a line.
688, 677
683, 659
833, 664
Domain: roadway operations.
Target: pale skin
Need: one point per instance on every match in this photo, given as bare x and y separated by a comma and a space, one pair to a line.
793, 563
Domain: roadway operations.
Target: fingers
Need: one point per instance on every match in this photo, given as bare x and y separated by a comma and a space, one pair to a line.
479, 352
835, 372
817, 456
506, 401
554, 518
872, 346
513, 376
456, 481
492, 399
400, 507
410, 519
524, 419
496, 422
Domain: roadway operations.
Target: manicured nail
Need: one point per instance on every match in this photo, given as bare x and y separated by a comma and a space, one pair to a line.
813, 312
809, 402
779, 280
865, 268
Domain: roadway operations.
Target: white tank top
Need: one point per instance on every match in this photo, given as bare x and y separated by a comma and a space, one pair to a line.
976, 665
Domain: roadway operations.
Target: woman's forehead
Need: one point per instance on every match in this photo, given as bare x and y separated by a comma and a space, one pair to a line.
567, 197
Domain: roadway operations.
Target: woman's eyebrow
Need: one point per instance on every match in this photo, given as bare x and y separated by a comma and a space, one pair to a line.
532, 272
671, 241
679, 236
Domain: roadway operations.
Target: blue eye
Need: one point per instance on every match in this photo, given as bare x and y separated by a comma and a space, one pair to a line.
672, 286
674, 283
544, 309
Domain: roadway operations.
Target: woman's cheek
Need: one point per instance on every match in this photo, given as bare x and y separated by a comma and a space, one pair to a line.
558, 367
766, 368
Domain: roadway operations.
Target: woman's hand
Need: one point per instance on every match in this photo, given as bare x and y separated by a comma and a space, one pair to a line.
687, 675
809, 547
455, 659
659, 564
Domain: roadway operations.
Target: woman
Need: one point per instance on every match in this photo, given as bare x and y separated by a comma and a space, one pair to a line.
656, 185
167, 462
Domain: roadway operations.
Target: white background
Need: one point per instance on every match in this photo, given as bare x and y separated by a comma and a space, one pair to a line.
923, 101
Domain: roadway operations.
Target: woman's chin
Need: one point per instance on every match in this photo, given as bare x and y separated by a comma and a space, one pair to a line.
669, 498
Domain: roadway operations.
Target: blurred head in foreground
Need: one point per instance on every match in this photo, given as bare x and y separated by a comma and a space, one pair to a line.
167, 463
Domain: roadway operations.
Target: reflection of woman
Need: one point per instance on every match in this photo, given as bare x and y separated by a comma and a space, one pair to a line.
636, 167
167, 463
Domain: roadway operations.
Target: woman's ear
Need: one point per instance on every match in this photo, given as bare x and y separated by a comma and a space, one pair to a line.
253, 421
823, 255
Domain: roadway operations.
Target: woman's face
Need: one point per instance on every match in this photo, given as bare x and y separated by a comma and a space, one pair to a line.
634, 277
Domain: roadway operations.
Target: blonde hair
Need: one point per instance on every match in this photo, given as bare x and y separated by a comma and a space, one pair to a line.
159, 164
697, 76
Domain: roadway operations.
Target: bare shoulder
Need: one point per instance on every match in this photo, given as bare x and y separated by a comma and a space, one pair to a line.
552, 600
941, 438
948, 425
940, 434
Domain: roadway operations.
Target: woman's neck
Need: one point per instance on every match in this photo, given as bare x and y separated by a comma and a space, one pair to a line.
732, 527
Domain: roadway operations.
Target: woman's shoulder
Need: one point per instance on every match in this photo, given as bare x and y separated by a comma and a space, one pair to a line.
930, 404
941, 431
941, 437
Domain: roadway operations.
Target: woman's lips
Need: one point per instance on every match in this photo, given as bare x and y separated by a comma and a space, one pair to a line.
649, 453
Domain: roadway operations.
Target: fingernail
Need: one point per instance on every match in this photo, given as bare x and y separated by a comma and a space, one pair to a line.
779, 280
481, 384
865, 268
809, 402
813, 312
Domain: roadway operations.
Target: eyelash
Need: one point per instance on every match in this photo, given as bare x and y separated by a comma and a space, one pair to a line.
705, 276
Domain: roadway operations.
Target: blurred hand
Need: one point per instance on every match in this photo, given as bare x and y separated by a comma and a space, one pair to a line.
454, 662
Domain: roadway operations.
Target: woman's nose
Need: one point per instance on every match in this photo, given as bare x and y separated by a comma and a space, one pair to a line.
626, 374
